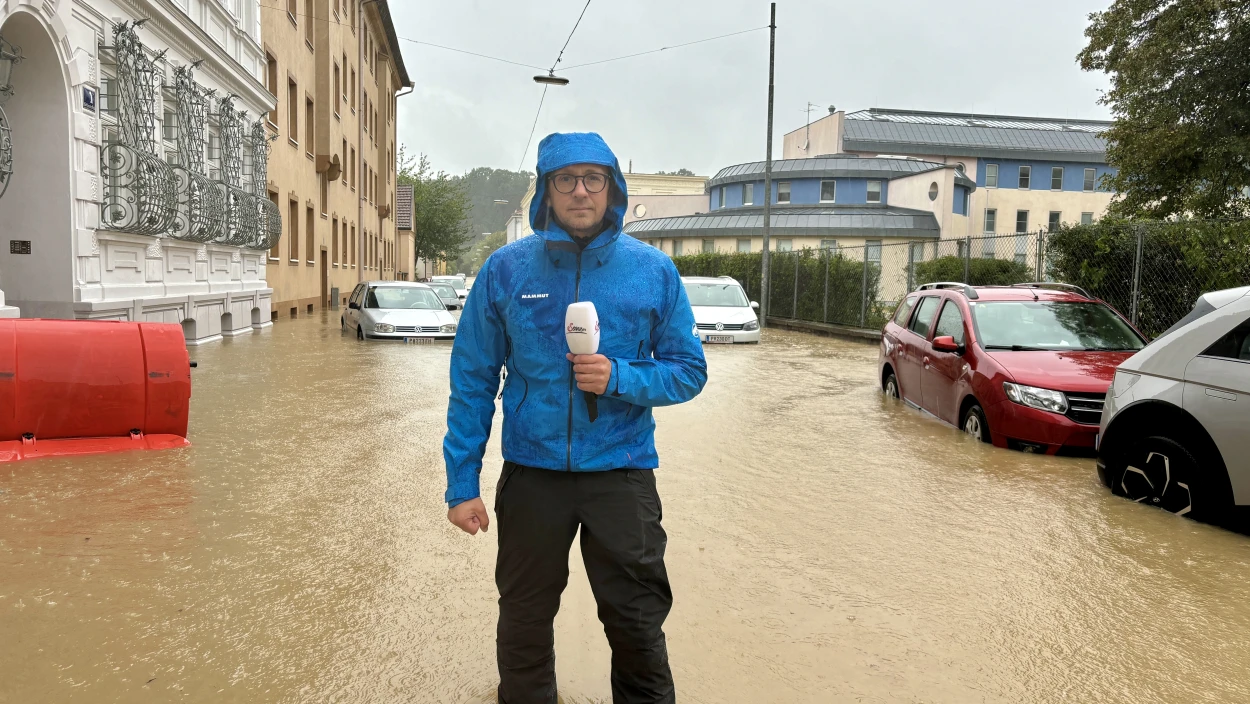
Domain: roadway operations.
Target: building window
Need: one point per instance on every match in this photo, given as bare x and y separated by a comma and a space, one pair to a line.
1052, 222
1056, 178
828, 244
744, 246
291, 10
334, 241
1026, 173
1022, 249
1087, 218
292, 221
991, 175
988, 245
308, 23
785, 245
783, 192
310, 241
748, 194
310, 120
991, 221
354, 248
325, 193
724, 196
343, 166
676, 248
872, 250
709, 246
271, 78
276, 252
1088, 186
338, 87
292, 109
874, 191
353, 168
828, 191
1022, 221
353, 93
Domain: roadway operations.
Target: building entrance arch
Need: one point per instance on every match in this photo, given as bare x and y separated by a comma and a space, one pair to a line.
36, 212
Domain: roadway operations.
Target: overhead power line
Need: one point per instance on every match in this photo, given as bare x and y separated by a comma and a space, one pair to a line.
664, 48
472, 53
552, 70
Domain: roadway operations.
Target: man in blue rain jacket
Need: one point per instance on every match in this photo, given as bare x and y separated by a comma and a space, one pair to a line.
561, 470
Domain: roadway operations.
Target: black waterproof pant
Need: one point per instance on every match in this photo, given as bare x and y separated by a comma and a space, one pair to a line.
537, 513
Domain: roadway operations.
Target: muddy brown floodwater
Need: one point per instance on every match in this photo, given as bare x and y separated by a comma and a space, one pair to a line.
825, 545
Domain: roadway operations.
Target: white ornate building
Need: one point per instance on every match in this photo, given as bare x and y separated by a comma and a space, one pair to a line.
138, 188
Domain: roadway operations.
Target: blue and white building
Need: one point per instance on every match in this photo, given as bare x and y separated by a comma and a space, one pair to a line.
880, 176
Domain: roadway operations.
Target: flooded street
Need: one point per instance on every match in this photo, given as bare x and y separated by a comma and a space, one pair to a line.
825, 544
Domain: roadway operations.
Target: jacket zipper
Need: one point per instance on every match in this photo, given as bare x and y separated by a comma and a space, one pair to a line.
577, 294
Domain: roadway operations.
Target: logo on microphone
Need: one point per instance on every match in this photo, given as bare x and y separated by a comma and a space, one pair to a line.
576, 329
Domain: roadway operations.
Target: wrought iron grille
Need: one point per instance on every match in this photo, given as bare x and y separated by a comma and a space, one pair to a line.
140, 189
242, 213
201, 210
269, 218
6, 153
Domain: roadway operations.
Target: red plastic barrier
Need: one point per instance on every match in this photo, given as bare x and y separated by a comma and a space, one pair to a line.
70, 387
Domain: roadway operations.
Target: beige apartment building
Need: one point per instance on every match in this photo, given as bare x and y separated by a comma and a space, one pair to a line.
336, 71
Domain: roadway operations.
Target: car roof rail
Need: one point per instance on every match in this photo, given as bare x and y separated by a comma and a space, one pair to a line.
953, 285
1055, 285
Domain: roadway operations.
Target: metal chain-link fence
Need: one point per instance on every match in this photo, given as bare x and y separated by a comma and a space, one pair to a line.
1151, 272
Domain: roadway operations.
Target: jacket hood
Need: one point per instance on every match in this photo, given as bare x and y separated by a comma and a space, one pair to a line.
561, 149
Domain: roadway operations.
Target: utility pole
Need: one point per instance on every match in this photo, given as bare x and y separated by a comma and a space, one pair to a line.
768, 166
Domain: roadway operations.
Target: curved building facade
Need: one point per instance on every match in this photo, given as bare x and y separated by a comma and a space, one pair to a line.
829, 201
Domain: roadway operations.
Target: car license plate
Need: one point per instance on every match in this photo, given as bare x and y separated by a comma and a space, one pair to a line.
721, 339
418, 340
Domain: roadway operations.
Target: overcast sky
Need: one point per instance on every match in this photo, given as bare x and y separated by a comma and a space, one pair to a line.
703, 107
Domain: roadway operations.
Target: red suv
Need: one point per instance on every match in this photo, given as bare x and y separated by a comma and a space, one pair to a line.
1024, 366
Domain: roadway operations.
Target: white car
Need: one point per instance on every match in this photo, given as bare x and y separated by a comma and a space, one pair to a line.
457, 282
722, 313
1175, 429
397, 310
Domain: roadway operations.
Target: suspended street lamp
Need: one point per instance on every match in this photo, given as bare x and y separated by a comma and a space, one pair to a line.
551, 79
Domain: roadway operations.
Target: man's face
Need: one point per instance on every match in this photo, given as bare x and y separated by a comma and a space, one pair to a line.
581, 210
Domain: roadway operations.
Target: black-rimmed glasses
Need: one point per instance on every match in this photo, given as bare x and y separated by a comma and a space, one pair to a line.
567, 183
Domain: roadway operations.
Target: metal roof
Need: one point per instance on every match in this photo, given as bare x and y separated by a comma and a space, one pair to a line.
992, 136
834, 166
844, 220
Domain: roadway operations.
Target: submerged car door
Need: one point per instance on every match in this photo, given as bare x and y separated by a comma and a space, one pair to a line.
913, 342
353, 306
941, 371
1217, 394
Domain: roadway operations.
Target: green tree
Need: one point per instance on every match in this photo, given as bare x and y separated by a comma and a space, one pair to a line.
678, 172
485, 186
485, 248
1179, 92
440, 210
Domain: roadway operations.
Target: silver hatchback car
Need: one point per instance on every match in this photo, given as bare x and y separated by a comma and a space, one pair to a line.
397, 310
1174, 426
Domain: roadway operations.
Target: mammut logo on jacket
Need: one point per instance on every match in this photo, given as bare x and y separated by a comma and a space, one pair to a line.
533, 295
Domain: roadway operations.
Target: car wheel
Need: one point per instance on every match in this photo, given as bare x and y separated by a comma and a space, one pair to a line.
343, 323
890, 387
974, 423
1161, 472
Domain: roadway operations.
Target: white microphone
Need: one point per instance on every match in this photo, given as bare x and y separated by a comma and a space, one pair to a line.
581, 332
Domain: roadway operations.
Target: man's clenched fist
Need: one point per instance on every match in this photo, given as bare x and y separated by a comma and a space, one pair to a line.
469, 516
592, 372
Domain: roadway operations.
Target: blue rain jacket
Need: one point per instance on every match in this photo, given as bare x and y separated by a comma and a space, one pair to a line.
514, 315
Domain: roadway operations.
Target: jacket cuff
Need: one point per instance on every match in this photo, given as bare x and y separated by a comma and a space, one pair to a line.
459, 493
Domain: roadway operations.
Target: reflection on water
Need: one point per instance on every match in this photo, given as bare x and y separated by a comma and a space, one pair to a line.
825, 544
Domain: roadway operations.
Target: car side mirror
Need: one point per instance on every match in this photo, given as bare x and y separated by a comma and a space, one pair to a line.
946, 343
354, 306
755, 305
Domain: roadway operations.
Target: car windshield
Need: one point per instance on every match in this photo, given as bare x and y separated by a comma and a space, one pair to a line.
444, 290
1051, 325
403, 297
727, 295
453, 280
